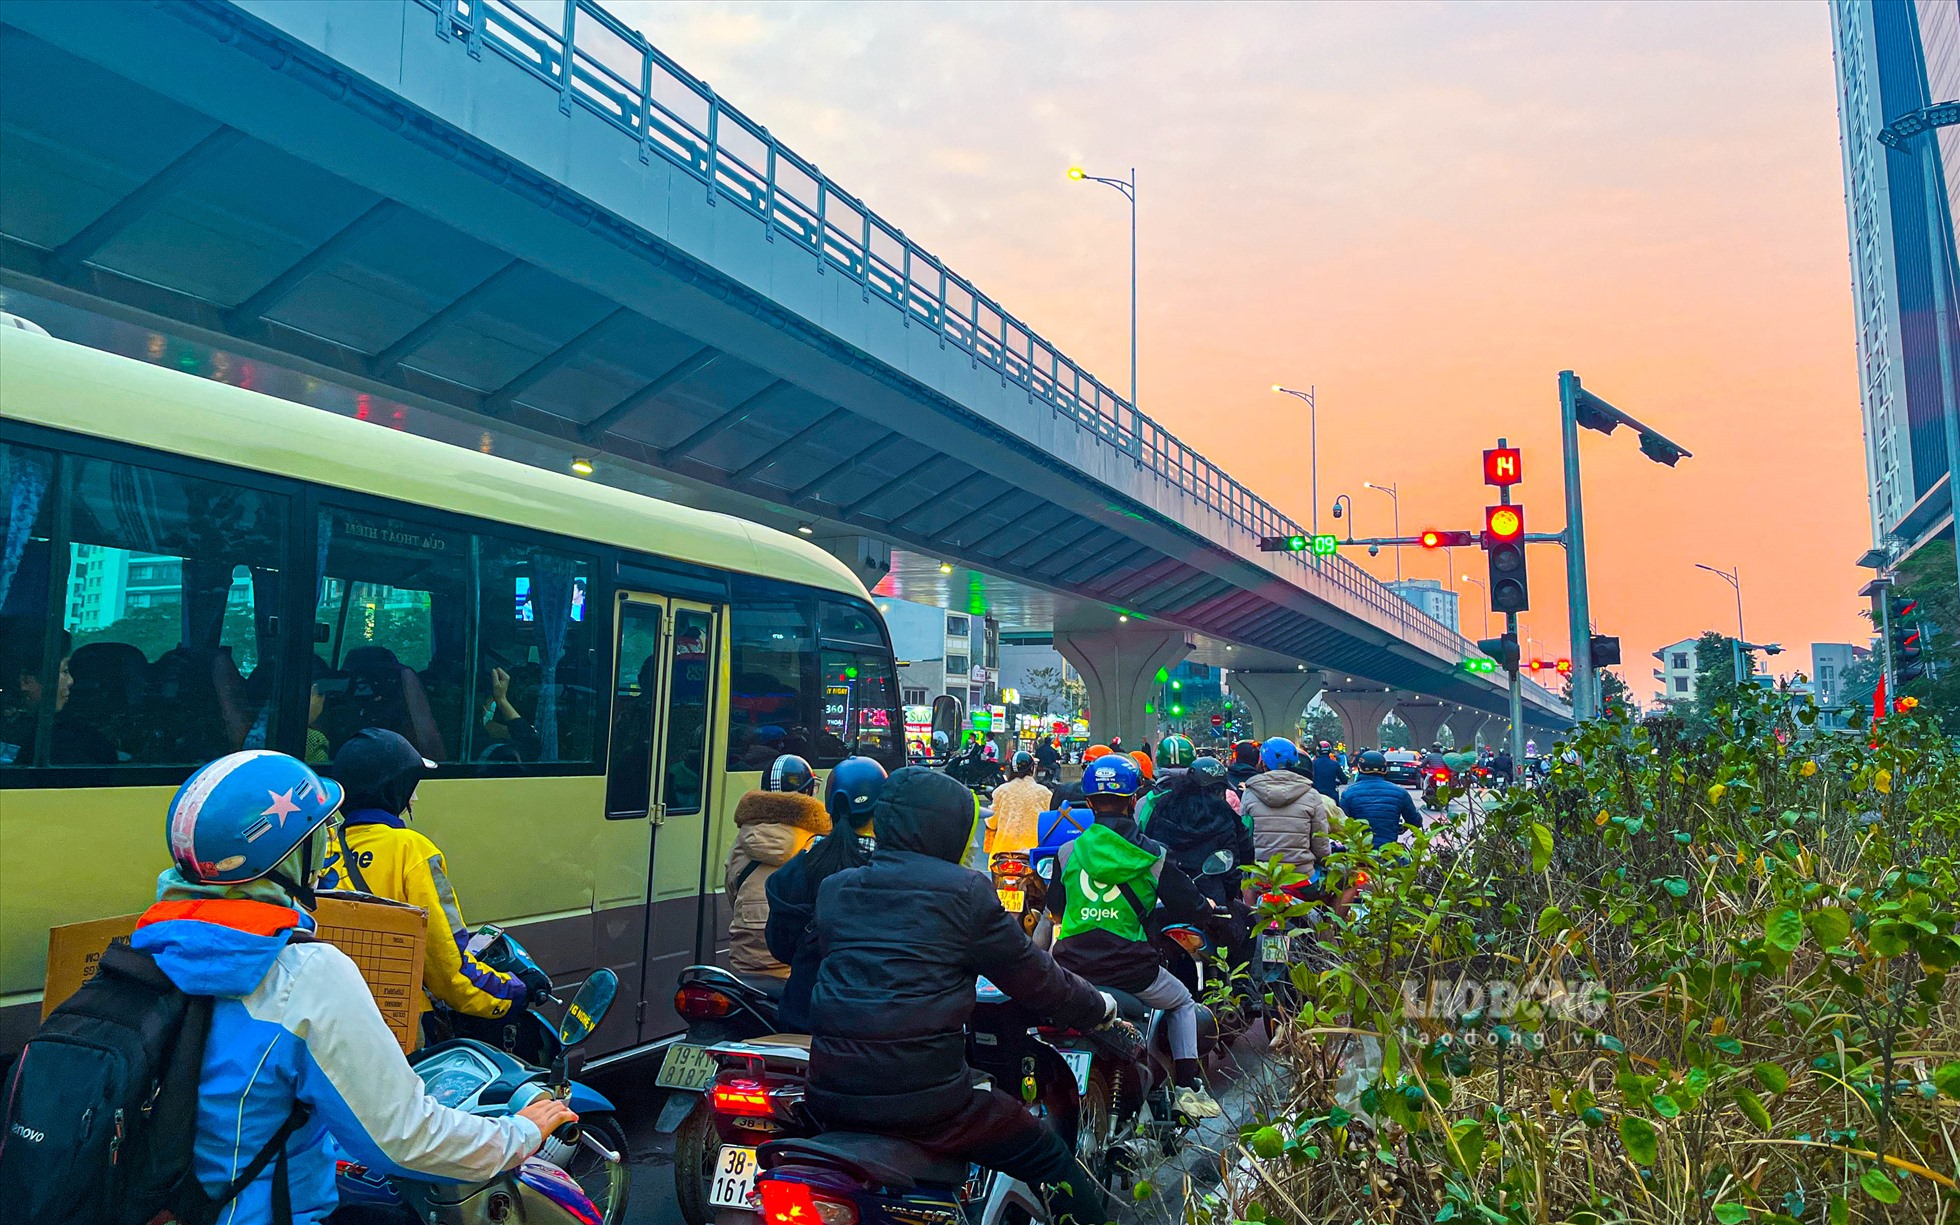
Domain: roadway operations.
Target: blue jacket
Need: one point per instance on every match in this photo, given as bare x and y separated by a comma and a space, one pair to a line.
295, 1022
1328, 777
1383, 805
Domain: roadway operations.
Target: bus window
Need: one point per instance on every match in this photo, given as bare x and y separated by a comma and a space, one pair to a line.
29, 685
171, 594
689, 702
773, 645
629, 771
858, 701
390, 629
536, 692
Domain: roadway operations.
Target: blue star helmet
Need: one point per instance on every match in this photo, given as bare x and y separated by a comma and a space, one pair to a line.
1278, 753
854, 786
239, 817
1113, 774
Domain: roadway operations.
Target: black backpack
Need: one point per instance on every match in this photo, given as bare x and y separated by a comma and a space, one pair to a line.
101, 1108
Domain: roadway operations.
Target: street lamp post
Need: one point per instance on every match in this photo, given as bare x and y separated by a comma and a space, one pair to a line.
1313, 445
1734, 579
1129, 189
1340, 500
1925, 123
1395, 495
1486, 590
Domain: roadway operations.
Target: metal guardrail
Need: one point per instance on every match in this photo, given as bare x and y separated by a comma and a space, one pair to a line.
626, 81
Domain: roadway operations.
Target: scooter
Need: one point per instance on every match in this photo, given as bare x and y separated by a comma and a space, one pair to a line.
1022, 893
719, 1007
840, 1177
470, 1075
1288, 935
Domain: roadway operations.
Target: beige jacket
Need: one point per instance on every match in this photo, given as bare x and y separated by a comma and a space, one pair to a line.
1018, 805
770, 827
1289, 818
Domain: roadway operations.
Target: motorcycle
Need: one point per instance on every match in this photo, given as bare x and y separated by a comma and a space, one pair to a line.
471, 1075
719, 1007
1288, 935
1433, 779
1022, 893
758, 1101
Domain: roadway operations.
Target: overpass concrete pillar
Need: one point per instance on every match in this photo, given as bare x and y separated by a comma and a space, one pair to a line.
1424, 720
1274, 700
1464, 725
1361, 716
1119, 667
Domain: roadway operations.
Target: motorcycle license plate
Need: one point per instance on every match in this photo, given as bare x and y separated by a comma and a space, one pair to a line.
1013, 901
734, 1183
1273, 949
686, 1067
1078, 1062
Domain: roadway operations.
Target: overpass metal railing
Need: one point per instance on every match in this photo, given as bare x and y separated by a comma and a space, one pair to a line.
626, 81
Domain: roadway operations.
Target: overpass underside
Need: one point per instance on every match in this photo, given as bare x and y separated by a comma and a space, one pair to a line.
194, 170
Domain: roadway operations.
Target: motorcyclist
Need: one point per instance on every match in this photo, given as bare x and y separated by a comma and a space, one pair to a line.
851, 795
293, 1023
1048, 760
1329, 775
1104, 887
1289, 814
1174, 756
1245, 763
903, 938
772, 824
374, 851
1386, 807
1193, 821
1018, 804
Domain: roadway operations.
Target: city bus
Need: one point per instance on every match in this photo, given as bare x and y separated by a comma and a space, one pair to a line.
189, 568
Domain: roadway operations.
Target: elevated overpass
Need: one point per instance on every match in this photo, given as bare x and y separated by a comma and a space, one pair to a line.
542, 226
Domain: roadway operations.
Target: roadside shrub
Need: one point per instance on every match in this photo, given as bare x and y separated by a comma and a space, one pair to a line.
1691, 978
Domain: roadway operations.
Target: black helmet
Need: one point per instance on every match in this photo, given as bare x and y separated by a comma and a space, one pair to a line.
790, 773
379, 769
1023, 763
1372, 762
1209, 771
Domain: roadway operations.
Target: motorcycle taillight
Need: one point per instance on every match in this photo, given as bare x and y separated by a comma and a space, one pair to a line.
697, 1003
796, 1203
756, 1097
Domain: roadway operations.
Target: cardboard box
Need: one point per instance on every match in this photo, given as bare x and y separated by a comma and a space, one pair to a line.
386, 939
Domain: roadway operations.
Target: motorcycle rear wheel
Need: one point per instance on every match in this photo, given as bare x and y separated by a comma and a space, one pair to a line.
696, 1147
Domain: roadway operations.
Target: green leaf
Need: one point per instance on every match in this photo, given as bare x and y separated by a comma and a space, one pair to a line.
1830, 925
1541, 847
1268, 1143
1840, 1211
1772, 1077
1468, 1135
1637, 1135
1879, 1187
1752, 1106
1551, 921
1783, 928
1665, 1106
1888, 939
1676, 885
1946, 1078
1731, 1214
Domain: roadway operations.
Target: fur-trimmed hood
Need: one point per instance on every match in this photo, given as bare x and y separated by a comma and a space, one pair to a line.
782, 808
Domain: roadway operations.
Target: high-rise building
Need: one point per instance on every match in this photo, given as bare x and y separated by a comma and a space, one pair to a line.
1894, 57
1436, 601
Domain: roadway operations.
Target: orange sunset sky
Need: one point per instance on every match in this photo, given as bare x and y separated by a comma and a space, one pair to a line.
1426, 211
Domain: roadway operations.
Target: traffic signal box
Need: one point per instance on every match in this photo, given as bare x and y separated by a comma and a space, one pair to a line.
1908, 641
1504, 544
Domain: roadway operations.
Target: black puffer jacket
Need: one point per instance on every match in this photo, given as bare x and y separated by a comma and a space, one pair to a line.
902, 940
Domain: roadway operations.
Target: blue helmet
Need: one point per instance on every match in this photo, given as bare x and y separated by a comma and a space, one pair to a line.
1278, 753
790, 773
854, 787
238, 817
1112, 774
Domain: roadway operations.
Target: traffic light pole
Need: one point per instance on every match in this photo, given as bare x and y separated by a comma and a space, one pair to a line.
1517, 699
1575, 549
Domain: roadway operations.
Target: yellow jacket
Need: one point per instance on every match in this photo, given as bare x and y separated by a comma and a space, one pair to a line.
1018, 805
398, 862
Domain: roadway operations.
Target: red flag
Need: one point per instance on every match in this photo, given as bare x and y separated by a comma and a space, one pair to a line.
1878, 699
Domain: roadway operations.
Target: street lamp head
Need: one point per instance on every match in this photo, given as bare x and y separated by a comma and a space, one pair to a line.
1277, 387
1075, 172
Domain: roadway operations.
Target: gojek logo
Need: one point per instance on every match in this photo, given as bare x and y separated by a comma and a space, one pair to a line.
1098, 899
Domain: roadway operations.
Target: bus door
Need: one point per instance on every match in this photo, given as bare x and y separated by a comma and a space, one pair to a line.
657, 772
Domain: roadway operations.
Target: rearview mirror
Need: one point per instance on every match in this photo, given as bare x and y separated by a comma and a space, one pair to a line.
1218, 863
948, 725
588, 1007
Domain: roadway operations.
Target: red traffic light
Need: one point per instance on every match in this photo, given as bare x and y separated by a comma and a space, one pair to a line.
1433, 539
1538, 665
1564, 666
1503, 466
1503, 524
